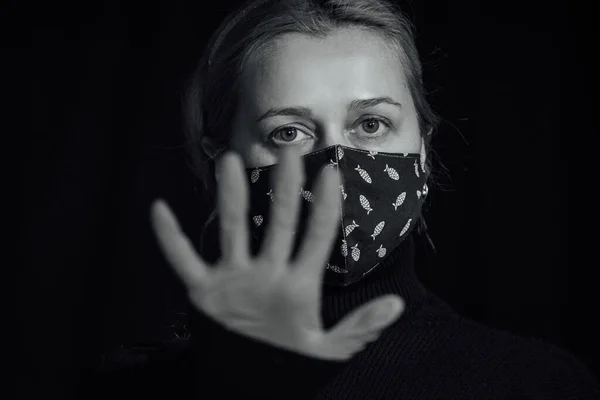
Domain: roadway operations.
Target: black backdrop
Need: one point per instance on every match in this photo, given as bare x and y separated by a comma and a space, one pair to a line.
511, 79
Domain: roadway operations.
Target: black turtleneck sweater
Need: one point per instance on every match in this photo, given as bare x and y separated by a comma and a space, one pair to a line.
431, 352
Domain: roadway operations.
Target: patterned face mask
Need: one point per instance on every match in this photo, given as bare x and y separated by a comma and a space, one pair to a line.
382, 194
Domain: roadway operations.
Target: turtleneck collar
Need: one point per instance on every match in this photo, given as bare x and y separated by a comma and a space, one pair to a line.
395, 275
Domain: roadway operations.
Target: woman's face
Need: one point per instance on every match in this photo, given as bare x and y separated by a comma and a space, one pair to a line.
347, 89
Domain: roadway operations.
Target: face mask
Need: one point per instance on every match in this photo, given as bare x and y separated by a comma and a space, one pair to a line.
382, 194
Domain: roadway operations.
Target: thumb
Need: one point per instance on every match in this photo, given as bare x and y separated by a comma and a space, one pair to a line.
362, 326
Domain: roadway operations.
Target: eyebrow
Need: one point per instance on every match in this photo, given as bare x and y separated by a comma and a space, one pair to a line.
307, 112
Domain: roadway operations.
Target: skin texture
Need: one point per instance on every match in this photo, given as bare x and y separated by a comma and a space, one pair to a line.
324, 75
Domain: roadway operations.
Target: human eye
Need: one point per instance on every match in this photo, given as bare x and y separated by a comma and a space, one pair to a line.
372, 127
286, 136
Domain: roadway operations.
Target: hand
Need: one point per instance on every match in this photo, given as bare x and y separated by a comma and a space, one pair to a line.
270, 297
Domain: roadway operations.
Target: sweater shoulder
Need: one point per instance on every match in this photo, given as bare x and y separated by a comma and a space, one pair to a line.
500, 360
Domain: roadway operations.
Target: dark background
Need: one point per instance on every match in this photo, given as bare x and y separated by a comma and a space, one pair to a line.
511, 79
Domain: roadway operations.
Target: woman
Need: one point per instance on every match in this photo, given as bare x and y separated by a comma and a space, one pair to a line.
308, 288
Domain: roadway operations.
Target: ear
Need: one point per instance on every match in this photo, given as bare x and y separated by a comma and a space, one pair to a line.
208, 147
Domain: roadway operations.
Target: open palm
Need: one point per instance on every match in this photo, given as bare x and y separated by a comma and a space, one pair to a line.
270, 297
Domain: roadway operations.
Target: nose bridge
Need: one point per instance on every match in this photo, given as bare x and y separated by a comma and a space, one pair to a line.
332, 135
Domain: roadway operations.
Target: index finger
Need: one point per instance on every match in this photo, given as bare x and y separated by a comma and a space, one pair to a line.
176, 247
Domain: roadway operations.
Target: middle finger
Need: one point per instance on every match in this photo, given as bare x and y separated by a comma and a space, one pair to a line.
288, 177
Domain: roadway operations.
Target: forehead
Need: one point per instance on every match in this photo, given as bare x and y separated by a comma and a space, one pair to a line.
302, 70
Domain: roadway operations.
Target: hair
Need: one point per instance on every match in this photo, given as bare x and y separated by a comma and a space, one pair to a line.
211, 95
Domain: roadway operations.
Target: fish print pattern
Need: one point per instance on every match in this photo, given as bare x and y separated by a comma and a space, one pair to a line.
332, 164
271, 195
355, 252
344, 195
363, 174
336, 269
344, 248
351, 227
391, 172
405, 227
255, 175
308, 196
399, 200
258, 220
381, 251
365, 204
378, 229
